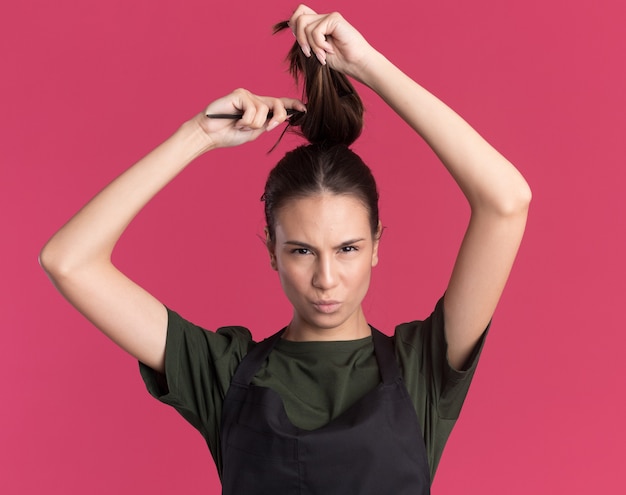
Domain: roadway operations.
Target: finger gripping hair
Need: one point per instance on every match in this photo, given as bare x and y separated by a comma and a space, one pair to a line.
334, 109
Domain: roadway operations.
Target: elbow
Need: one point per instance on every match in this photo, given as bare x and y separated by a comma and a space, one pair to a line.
525, 194
66, 258
519, 200
520, 193
66, 261
513, 200
49, 261
55, 262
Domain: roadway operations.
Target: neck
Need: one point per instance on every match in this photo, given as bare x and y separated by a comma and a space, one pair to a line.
354, 328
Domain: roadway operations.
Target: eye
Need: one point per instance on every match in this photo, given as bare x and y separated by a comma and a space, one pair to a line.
300, 251
349, 249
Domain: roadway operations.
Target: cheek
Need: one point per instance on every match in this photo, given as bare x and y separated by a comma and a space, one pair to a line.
292, 275
359, 274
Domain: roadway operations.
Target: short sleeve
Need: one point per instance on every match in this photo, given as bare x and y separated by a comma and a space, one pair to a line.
198, 368
437, 390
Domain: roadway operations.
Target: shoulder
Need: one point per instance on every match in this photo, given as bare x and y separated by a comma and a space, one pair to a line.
225, 341
414, 336
425, 340
195, 355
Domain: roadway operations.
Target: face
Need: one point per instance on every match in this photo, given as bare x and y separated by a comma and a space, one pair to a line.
324, 252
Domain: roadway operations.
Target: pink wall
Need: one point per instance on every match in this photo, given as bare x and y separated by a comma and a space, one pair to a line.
86, 88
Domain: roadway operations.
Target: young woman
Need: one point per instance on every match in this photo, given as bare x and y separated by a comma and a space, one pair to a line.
328, 404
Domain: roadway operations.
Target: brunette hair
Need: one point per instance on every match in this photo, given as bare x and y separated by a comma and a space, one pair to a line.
332, 122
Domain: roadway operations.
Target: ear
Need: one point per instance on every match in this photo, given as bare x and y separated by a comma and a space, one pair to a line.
379, 233
273, 261
269, 244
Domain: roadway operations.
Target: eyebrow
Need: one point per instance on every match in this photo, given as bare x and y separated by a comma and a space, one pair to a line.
312, 248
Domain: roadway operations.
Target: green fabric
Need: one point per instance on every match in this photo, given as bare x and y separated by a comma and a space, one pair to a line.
316, 380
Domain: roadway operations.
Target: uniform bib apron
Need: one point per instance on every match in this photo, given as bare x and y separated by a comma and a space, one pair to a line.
375, 447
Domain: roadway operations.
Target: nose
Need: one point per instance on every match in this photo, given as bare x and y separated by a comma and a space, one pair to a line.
325, 275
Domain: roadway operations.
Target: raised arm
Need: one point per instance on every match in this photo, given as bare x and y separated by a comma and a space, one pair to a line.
78, 257
497, 193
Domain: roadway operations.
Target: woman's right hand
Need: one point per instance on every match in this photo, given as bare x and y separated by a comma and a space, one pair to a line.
222, 133
78, 257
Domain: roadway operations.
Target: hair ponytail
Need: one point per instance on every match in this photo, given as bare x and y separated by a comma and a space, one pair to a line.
334, 109
333, 121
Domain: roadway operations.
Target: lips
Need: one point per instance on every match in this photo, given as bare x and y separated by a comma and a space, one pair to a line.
326, 306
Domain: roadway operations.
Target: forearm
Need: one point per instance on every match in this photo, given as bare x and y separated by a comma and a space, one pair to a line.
90, 236
497, 193
78, 257
489, 181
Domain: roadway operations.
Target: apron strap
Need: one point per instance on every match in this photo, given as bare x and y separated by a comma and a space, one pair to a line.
254, 359
386, 357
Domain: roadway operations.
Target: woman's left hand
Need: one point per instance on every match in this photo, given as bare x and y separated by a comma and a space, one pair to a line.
331, 39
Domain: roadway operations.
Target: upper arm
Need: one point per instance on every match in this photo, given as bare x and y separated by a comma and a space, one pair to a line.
480, 272
125, 312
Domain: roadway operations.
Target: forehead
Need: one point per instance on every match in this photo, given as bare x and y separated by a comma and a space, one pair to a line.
323, 217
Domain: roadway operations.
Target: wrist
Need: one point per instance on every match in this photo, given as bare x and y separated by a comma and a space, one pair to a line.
374, 66
194, 138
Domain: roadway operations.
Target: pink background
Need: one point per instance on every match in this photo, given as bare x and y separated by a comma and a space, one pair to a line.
87, 88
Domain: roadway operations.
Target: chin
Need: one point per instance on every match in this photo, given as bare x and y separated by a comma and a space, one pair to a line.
326, 321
